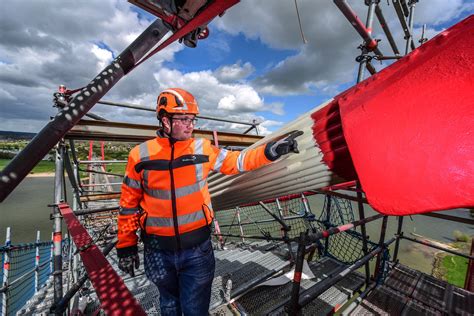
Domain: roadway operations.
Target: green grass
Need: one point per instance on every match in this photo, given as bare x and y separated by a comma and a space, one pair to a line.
3, 163
456, 268
42, 166
116, 168
48, 166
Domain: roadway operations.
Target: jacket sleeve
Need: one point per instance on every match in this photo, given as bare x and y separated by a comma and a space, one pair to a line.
129, 214
233, 162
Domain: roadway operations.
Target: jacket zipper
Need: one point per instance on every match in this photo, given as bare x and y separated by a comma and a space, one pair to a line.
173, 199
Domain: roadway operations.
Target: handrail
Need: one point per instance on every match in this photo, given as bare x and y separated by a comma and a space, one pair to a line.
252, 237
101, 172
265, 220
339, 229
94, 211
24, 246
458, 219
326, 283
63, 303
101, 162
429, 244
94, 260
149, 109
21, 277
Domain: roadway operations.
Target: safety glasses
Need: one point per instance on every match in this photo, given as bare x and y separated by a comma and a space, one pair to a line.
185, 120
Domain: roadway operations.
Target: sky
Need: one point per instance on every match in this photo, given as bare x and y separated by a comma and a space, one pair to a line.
253, 66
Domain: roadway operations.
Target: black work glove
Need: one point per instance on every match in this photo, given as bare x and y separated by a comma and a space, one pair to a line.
129, 263
275, 149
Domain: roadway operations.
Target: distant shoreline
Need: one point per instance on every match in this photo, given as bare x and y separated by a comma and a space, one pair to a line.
41, 174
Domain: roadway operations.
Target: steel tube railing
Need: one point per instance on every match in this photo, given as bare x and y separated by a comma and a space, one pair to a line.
264, 221
295, 289
368, 28
6, 286
98, 197
251, 237
101, 172
6, 270
100, 162
401, 17
397, 243
262, 231
429, 244
387, 57
410, 25
61, 306
341, 195
94, 211
383, 230
57, 218
458, 219
100, 184
323, 234
309, 295
326, 223
338, 229
386, 29
358, 25
37, 260
240, 225
139, 107
322, 286
365, 249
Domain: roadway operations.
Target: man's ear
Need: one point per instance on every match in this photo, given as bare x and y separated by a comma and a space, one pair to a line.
166, 123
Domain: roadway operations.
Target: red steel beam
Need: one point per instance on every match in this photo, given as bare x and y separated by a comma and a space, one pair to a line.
114, 296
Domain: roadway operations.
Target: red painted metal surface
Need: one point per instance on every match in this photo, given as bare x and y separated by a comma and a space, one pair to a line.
328, 133
114, 296
410, 128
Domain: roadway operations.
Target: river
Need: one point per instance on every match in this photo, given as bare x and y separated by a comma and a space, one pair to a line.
26, 211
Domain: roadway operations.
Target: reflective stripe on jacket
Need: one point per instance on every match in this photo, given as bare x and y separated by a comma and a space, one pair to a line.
165, 190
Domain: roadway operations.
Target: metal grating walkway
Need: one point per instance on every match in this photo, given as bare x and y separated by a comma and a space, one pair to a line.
245, 269
410, 292
264, 299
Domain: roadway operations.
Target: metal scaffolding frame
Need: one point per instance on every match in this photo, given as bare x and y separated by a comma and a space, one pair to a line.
405, 10
308, 241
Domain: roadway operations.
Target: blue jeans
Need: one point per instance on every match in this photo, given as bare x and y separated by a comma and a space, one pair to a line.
183, 277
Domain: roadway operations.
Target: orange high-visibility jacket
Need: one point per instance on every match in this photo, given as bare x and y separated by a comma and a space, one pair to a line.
165, 192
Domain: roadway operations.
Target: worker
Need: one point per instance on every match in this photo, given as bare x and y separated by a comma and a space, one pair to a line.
165, 196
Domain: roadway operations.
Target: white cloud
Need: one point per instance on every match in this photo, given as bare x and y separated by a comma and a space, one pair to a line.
104, 57
328, 58
277, 108
5, 95
41, 48
227, 103
440, 11
212, 94
267, 126
235, 72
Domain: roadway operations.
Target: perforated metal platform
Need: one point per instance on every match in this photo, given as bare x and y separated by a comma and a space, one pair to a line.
245, 269
263, 300
410, 292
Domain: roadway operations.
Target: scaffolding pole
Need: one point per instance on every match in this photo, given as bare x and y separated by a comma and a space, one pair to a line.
409, 40
57, 219
364, 62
